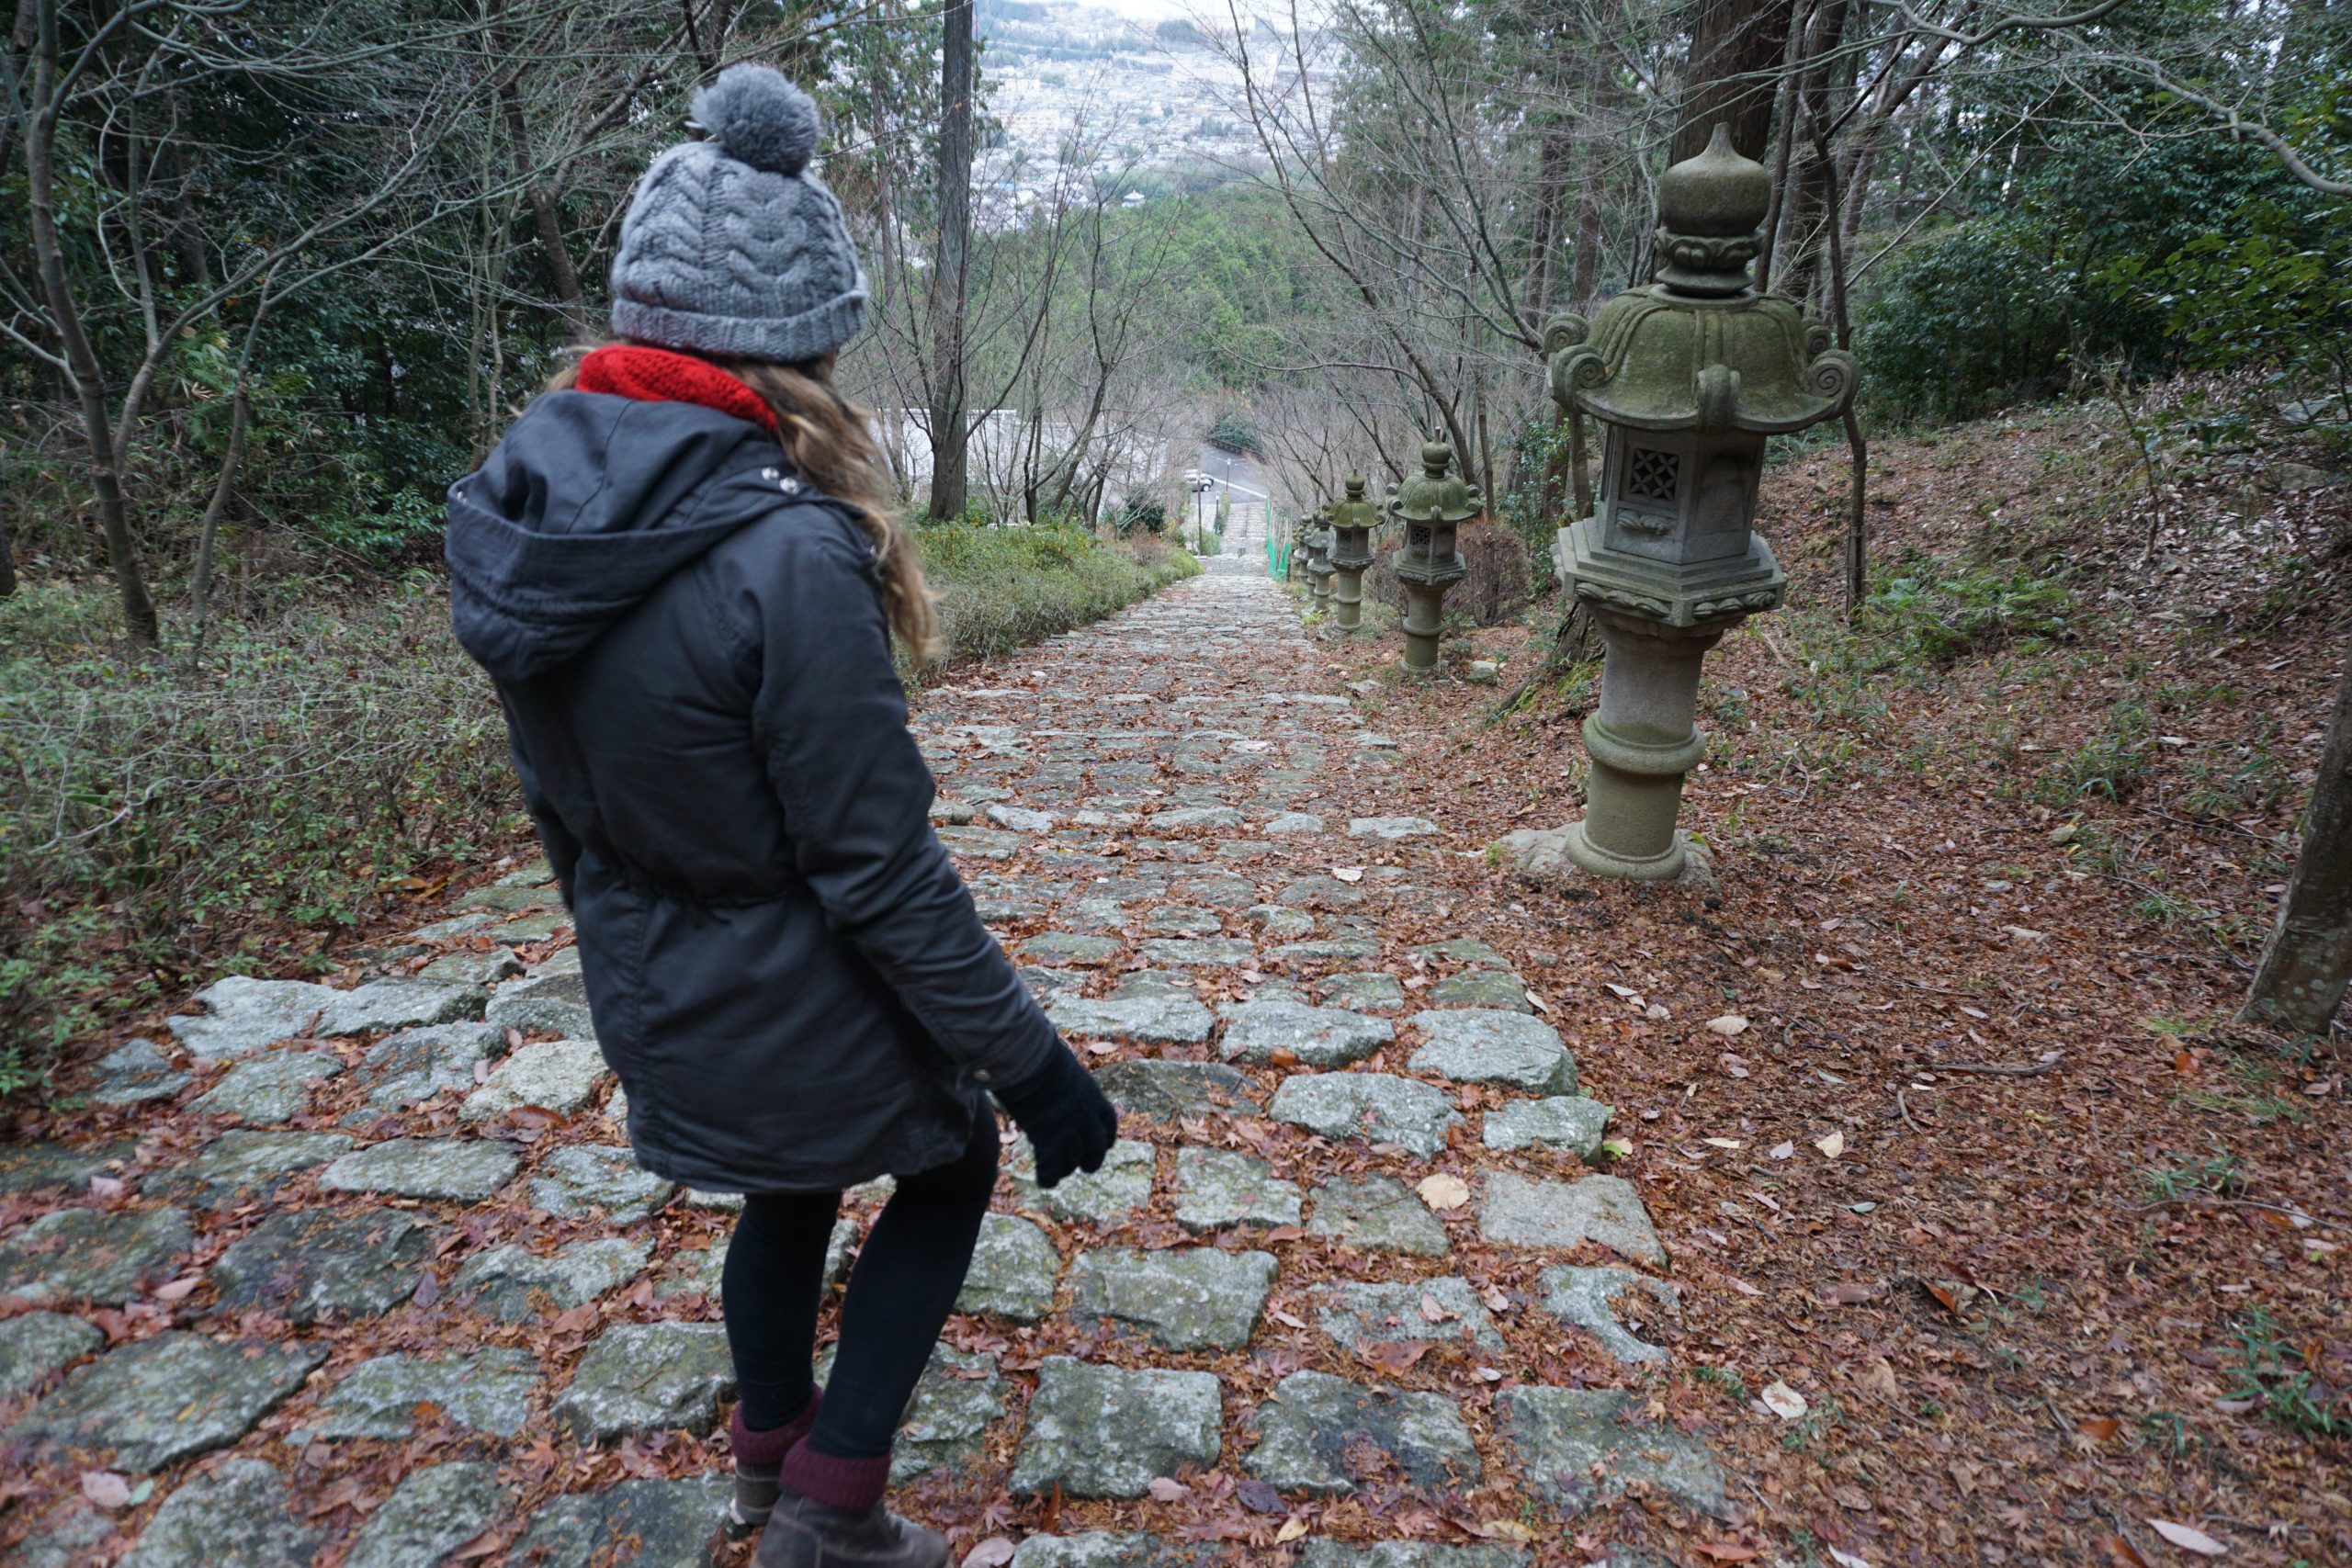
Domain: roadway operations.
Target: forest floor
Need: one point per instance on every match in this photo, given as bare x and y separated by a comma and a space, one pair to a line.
1990, 1238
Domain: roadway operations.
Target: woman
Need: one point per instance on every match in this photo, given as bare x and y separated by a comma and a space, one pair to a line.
681, 569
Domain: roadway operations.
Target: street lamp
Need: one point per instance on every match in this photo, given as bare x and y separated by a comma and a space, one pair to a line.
1201, 485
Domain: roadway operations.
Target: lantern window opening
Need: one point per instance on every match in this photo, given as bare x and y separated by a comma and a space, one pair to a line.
1652, 474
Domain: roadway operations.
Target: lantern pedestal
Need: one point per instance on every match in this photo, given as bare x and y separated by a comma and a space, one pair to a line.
1424, 613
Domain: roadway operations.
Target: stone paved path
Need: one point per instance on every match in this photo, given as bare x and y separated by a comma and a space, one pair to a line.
1350, 1215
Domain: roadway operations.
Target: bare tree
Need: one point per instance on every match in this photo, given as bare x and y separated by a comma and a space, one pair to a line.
950, 435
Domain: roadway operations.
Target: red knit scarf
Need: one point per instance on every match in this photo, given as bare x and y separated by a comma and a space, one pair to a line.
658, 375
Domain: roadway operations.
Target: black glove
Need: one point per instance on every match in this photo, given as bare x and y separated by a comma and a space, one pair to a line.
1070, 1124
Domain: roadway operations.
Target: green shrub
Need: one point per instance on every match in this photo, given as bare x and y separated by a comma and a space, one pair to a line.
158, 824
1003, 588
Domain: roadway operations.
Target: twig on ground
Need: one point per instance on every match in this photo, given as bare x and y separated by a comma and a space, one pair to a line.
1900, 1104
1997, 1069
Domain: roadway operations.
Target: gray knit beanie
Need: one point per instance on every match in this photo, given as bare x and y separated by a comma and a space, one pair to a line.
732, 246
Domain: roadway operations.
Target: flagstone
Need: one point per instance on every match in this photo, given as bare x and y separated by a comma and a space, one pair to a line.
1314, 1427
1561, 1214
1316, 1037
483, 1391
432, 1513
237, 1515
1589, 1297
1097, 1431
1376, 1212
1218, 1189
306, 1263
1181, 1299
241, 1165
169, 1397
645, 1377
1580, 1447
1103, 1197
268, 1088
1349, 1312
515, 1285
464, 1170
92, 1255
630, 1524
1376, 1107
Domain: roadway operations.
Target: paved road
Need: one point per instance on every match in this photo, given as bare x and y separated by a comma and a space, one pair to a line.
356, 1235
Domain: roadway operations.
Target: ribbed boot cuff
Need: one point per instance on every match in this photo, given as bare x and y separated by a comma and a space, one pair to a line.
852, 1485
770, 1446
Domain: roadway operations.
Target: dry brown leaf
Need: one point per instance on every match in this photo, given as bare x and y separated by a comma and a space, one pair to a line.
2188, 1539
1443, 1192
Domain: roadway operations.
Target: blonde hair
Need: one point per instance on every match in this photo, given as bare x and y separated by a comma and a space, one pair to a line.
831, 444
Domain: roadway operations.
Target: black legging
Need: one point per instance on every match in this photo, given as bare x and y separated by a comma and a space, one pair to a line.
907, 1278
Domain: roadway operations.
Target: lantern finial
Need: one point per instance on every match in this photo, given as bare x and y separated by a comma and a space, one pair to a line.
1709, 209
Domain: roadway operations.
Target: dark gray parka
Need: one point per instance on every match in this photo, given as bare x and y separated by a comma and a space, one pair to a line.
783, 967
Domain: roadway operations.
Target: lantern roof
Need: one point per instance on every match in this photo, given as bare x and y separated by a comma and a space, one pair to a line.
1355, 511
1435, 494
1700, 349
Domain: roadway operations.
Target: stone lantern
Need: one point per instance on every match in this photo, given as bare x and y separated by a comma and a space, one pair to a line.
1318, 561
1432, 504
1352, 525
1688, 377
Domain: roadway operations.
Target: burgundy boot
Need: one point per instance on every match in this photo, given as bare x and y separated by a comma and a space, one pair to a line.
829, 1514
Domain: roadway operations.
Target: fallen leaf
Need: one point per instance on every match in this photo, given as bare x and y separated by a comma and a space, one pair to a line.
1293, 1527
1168, 1489
105, 1489
178, 1288
1728, 1024
1879, 1378
1853, 1499
993, 1552
1443, 1192
2187, 1539
1848, 1559
1784, 1151
1348, 873
1286, 1320
1725, 1551
1434, 1311
1833, 1145
1258, 1497
1503, 1529
1723, 1142
1784, 1402
2099, 1429
1102, 1047
1617, 1148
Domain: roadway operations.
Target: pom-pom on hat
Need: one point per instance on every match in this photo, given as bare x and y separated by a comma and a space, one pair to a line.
732, 245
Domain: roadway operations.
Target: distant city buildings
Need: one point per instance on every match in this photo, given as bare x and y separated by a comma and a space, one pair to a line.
1087, 104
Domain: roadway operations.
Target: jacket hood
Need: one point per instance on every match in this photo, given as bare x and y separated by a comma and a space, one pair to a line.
585, 507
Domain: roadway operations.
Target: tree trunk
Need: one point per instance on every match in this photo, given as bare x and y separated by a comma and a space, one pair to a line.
7, 562
89, 377
950, 435
2308, 960
1735, 47
545, 215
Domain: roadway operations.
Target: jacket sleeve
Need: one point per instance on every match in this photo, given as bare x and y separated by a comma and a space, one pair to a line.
831, 721
562, 847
